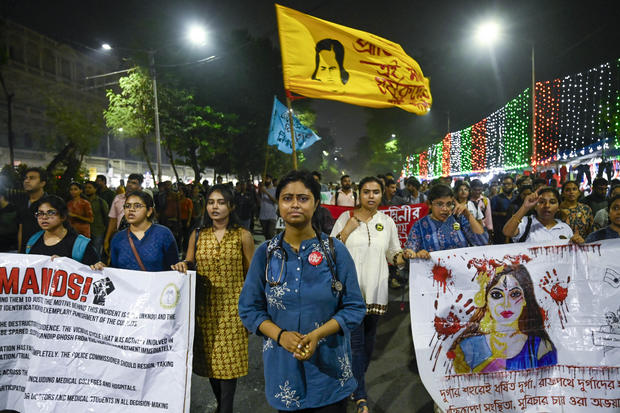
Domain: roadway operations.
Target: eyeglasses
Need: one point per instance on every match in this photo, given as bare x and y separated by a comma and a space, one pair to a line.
48, 213
441, 205
135, 205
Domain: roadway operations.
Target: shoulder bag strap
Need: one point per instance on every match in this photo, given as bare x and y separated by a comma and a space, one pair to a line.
527, 229
135, 252
33, 240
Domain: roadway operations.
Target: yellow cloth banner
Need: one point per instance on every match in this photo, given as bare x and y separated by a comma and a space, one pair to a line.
326, 60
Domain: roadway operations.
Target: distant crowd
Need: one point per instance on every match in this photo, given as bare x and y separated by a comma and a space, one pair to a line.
315, 279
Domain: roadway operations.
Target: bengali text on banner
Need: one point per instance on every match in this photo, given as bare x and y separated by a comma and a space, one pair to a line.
519, 328
404, 216
326, 60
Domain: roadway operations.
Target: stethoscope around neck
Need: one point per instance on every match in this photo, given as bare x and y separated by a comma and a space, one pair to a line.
337, 286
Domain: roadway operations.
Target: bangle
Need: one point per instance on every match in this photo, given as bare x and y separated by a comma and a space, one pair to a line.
339, 236
395, 258
190, 265
280, 335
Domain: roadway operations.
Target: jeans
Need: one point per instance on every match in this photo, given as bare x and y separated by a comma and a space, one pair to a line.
362, 344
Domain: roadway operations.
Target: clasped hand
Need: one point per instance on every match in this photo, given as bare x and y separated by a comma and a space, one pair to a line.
302, 346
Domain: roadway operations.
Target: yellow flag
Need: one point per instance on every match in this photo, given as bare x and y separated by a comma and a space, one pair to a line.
325, 60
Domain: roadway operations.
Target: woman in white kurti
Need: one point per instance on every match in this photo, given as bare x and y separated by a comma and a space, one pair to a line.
372, 239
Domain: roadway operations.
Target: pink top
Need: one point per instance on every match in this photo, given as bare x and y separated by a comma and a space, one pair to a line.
484, 204
116, 209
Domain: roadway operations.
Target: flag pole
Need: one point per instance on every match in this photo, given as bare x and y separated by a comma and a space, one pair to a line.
290, 119
266, 158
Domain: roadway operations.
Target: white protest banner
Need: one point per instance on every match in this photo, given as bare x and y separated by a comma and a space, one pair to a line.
76, 340
519, 327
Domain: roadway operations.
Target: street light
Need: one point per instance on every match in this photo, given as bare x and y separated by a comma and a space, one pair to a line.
489, 33
196, 35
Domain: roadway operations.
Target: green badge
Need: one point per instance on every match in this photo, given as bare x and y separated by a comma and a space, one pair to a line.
456, 226
379, 227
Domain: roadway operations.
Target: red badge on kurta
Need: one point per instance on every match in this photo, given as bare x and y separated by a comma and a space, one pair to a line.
315, 258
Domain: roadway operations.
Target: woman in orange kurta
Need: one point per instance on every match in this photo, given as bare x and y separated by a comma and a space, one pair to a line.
80, 211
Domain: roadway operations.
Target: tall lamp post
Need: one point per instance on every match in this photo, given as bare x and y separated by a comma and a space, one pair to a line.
197, 36
488, 33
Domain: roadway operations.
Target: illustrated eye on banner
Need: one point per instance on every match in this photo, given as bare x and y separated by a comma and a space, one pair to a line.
503, 328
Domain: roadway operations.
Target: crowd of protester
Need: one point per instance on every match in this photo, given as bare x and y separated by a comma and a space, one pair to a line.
349, 264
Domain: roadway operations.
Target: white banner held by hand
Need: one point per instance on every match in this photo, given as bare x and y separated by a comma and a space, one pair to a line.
518, 327
73, 339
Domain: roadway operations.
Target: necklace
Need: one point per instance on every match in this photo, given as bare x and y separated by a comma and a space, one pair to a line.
50, 241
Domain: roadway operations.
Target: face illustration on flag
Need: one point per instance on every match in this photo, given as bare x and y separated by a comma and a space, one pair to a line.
329, 64
325, 60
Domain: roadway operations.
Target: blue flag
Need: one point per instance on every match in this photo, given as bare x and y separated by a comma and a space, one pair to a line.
280, 130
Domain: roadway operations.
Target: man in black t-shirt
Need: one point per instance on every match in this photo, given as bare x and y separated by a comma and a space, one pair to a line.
34, 183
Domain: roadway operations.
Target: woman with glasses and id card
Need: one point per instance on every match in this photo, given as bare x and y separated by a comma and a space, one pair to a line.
448, 225
143, 246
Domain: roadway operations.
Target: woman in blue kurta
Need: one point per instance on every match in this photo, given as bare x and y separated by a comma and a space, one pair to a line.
301, 294
446, 227
156, 249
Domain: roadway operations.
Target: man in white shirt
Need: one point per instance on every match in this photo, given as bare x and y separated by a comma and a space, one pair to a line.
345, 195
268, 204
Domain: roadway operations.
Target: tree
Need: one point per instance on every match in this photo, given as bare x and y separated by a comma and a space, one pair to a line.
75, 131
392, 135
200, 135
242, 81
132, 111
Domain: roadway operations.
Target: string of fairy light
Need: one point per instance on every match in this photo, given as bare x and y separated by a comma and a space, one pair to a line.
574, 115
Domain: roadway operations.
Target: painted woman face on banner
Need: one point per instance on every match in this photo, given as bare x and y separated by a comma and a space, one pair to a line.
506, 301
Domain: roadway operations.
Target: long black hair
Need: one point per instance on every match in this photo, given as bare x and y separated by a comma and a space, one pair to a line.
338, 49
233, 219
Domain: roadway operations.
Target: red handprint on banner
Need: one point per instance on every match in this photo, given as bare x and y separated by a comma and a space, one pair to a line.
558, 291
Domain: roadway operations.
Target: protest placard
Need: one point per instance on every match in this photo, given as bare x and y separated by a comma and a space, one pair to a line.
73, 339
518, 327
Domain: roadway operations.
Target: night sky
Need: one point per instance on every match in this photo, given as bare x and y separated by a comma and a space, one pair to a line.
468, 81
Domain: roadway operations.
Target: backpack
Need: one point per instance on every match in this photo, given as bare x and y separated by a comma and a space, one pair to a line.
79, 246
